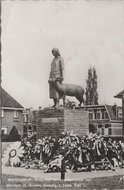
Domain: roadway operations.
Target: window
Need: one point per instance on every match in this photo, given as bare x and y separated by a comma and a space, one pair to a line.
106, 125
97, 115
2, 113
94, 115
90, 115
100, 126
104, 115
16, 116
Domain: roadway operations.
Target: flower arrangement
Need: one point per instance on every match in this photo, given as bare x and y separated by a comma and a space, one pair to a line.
13, 154
78, 153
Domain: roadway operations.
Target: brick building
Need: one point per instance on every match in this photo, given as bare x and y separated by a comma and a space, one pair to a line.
106, 119
11, 114
120, 95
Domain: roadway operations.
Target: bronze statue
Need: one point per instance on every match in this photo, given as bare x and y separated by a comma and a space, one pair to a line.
69, 90
57, 89
56, 73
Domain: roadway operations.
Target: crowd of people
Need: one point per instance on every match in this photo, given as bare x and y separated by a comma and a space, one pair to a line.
91, 152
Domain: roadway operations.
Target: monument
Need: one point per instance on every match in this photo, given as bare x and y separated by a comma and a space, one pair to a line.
56, 74
51, 121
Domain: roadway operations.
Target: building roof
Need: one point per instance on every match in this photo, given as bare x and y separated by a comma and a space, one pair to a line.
8, 101
120, 95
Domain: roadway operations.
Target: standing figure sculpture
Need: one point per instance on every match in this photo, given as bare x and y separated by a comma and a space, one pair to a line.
56, 74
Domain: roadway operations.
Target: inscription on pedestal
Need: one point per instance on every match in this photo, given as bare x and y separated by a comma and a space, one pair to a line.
49, 120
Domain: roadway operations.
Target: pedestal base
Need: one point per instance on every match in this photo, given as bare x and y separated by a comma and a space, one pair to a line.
52, 121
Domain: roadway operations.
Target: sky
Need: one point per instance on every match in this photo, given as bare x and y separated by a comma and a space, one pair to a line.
87, 33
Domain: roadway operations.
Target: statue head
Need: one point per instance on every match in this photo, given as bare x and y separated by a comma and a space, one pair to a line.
55, 52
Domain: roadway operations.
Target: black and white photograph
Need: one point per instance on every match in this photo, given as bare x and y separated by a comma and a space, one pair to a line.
62, 94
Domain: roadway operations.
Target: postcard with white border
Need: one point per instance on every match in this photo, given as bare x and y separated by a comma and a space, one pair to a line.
62, 94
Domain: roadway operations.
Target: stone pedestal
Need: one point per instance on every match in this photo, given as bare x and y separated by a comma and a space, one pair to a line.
52, 121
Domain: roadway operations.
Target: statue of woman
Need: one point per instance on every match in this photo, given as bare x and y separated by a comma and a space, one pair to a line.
56, 73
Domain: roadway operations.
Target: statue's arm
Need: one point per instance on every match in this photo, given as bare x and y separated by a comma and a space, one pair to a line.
62, 67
